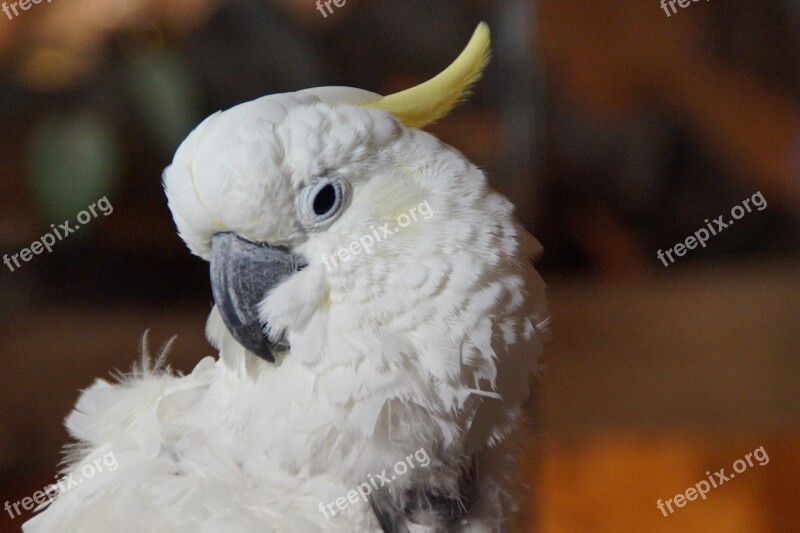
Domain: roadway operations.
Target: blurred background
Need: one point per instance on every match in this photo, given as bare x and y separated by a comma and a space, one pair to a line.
617, 128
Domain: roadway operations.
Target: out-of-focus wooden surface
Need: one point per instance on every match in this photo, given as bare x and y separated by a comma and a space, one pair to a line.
711, 349
611, 483
649, 383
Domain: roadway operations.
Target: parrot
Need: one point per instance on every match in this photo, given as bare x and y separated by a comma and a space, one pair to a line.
378, 319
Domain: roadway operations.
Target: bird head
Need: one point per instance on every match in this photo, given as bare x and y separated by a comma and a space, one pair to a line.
304, 200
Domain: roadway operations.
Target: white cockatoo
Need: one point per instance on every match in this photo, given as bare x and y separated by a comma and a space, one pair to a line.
377, 319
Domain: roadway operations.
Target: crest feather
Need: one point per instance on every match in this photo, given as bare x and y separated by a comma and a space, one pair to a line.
432, 100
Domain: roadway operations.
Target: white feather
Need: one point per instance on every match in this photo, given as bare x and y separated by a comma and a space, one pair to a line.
425, 342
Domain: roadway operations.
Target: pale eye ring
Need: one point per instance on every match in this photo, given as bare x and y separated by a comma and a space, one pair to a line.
320, 203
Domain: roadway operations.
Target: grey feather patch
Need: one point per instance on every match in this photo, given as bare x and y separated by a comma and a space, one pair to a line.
242, 274
422, 506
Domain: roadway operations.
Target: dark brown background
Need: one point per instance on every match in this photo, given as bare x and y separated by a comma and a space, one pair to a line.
615, 129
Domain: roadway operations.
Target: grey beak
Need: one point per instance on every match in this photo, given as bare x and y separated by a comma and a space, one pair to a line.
242, 273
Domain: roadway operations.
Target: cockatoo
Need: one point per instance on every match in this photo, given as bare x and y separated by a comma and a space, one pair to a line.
376, 304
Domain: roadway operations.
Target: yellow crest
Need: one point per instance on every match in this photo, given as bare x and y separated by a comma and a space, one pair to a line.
426, 103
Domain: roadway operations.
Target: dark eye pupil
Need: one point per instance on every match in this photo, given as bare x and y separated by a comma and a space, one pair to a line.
325, 200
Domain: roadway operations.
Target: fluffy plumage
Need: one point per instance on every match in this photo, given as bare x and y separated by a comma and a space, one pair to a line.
425, 342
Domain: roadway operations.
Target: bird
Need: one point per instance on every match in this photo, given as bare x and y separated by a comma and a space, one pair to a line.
378, 317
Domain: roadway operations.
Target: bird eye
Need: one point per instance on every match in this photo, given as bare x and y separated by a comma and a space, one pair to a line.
325, 201
320, 202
